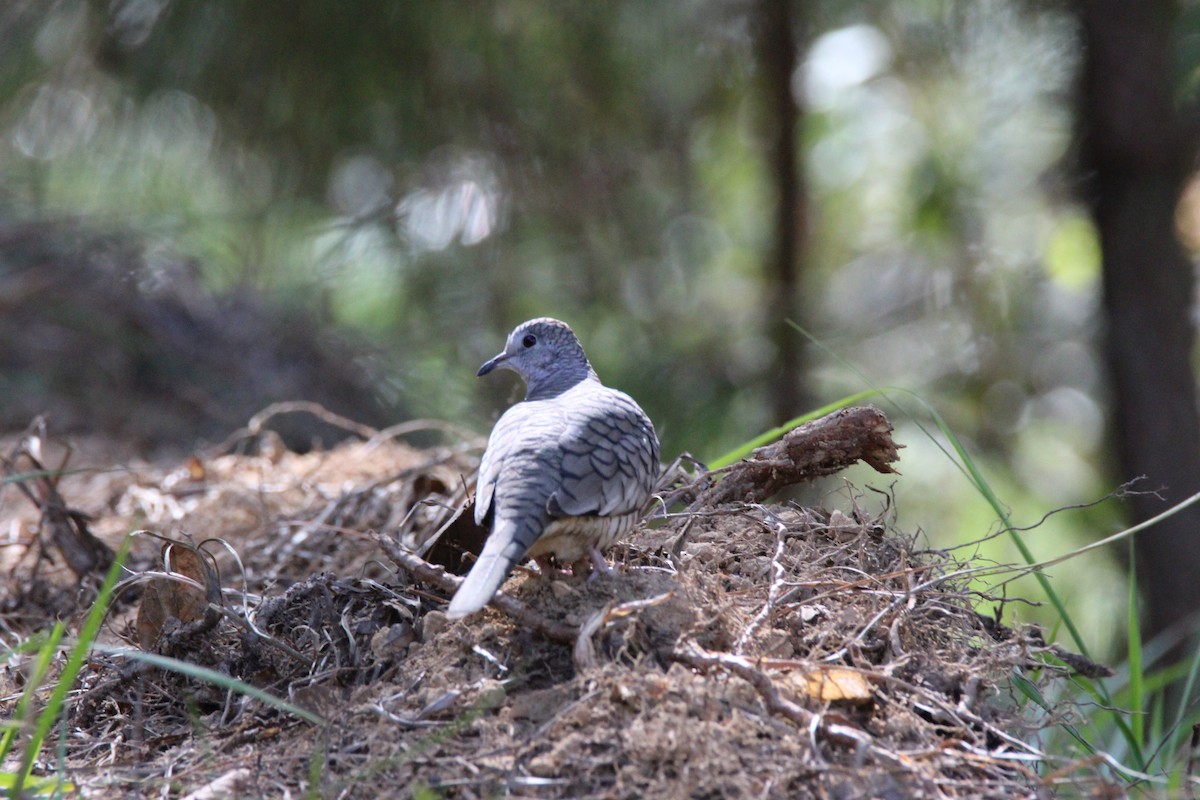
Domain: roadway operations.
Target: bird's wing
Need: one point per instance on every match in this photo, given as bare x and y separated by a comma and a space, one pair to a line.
518, 474
519, 470
609, 455
489, 472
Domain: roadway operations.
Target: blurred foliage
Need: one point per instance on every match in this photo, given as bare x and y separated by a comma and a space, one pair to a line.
430, 174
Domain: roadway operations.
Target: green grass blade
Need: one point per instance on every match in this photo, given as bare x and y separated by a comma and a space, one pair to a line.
1178, 728
1137, 677
50, 785
75, 660
215, 678
36, 474
984, 488
41, 667
1154, 730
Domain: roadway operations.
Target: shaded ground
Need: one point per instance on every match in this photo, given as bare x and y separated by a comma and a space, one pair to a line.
742, 650
106, 332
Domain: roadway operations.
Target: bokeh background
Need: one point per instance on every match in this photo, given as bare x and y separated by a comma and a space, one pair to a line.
403, 182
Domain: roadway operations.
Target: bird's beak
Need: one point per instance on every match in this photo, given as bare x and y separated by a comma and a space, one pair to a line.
488, 366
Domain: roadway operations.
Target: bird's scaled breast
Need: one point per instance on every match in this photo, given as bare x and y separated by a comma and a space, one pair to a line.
568, 539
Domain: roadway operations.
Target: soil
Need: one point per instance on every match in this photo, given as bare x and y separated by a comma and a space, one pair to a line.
737, 650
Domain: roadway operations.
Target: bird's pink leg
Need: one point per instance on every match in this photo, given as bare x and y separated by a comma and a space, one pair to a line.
599, 565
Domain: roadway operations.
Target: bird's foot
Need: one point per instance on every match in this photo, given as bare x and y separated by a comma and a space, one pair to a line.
599, 565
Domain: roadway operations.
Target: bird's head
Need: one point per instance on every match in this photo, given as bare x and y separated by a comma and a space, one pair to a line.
546, 354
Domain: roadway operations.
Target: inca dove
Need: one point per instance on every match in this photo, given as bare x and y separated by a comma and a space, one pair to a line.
566, 471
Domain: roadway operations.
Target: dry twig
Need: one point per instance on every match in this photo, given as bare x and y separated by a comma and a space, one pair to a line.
422, 570
68, 527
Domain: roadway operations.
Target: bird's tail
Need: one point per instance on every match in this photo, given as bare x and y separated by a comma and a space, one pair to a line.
500, 552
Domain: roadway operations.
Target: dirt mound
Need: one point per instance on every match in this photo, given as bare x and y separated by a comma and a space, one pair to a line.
739, 650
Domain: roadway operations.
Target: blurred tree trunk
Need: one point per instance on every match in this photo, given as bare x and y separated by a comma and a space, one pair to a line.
777, 30
1137, 151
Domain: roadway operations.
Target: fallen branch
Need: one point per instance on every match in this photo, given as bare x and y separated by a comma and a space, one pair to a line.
256, 424
815, 449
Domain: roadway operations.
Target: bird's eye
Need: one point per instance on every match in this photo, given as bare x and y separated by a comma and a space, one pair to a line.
530, 340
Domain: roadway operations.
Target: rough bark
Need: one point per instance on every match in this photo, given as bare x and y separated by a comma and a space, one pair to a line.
1137, 150
822, 447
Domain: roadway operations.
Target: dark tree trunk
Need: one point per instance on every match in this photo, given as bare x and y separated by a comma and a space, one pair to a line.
777, 32
1137, 151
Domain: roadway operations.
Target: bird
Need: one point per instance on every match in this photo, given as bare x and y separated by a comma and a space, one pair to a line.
566, 471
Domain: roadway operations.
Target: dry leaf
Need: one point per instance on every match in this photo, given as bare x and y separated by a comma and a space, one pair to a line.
832, 685
167, 599
195, 468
